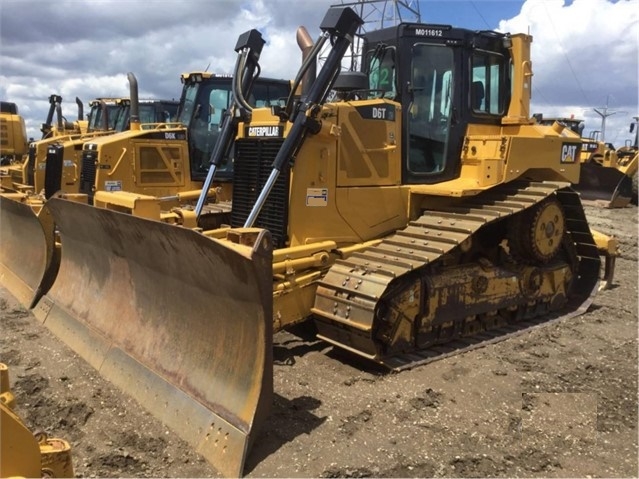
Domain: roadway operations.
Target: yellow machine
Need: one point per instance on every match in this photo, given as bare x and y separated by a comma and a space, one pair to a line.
60, 169
629, 155
419, 211
168, 160
22, 175
607, 174
22, 453
13, 134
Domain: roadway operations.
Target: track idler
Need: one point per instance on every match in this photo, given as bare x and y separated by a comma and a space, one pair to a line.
181, 322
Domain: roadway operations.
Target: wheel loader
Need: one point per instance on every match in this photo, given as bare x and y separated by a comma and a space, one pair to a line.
419, 212
607, 174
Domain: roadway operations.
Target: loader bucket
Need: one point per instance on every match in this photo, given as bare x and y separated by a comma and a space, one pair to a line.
29, 257
604, 184
181, 322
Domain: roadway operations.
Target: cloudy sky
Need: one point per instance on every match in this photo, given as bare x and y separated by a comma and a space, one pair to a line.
585, 52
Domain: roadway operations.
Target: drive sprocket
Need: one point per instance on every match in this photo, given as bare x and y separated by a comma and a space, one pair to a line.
535, 234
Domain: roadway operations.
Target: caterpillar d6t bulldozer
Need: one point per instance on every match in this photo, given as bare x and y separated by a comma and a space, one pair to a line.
405, 211
606, 175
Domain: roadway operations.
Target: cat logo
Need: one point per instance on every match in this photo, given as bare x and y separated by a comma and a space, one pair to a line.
569, 152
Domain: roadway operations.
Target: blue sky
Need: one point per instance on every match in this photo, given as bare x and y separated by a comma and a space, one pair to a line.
584, 52
477, 14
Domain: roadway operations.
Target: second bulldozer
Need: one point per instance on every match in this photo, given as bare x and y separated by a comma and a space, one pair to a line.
421, 210
138, 149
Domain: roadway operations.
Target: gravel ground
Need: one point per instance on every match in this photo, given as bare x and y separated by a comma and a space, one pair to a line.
557, 401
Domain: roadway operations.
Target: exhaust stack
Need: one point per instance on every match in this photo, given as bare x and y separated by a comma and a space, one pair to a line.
305, 42
135, 102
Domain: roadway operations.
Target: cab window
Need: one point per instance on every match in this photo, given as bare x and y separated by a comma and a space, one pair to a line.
381, 73
486, 92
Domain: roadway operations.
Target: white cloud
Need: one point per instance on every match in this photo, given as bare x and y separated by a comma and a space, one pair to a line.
85, 48
585, 55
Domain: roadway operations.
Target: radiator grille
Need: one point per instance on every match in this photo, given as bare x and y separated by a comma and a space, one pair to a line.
252, 167
53, 170
87, 173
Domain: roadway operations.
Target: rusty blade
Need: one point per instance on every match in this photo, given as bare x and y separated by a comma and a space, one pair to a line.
605, 184
179, 321
29, 258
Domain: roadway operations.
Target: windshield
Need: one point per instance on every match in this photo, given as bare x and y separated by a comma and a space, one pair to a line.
122, 118
96, 113
190, 95
204, 105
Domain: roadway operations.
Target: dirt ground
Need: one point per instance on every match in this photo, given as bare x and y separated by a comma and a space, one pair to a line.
557, 401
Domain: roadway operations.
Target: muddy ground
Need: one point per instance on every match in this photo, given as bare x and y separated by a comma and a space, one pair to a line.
557, 401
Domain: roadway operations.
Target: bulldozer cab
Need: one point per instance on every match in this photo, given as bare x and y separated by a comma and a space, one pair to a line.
205, 99
425, 68
171, 157
151, 112
104, 113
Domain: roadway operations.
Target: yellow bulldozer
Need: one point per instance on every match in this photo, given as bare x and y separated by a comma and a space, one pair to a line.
13, 134
404, 211
167, 159
22, 452
607, 174
629, 155
59, 168
22, 175
30, 253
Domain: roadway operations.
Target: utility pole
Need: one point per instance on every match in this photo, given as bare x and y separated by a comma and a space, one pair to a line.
604, 113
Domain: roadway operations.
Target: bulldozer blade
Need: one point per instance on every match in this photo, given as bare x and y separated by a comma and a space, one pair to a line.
604, 185
181, 322
29, 257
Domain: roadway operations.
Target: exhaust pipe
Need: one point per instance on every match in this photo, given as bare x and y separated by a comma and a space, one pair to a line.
135, 102
80, 108
305, 42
